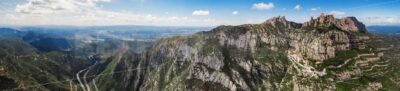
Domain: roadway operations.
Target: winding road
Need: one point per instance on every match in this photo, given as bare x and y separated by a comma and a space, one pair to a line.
82, 82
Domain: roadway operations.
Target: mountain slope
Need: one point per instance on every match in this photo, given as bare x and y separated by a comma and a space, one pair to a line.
322, 54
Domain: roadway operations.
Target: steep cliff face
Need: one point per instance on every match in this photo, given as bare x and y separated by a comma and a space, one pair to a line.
275, 55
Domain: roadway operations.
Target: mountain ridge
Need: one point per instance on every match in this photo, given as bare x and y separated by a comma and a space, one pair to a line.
253, 57
322, 54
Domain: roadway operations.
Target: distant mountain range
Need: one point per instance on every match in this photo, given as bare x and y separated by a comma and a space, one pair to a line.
90, 33
47, 38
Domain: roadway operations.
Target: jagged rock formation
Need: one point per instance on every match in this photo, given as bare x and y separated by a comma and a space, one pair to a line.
275, 55
281, 20
347, 24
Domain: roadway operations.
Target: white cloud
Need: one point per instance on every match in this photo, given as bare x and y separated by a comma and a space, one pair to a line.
315, 9
297, 7
381, 20
263, 6
101, 17
57, 6
235, 12
337, 13
87, 13
201, 12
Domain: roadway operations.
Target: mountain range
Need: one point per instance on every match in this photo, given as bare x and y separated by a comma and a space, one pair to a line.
322, 54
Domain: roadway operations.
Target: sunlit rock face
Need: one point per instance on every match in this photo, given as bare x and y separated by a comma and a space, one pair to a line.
347, 23
275, 55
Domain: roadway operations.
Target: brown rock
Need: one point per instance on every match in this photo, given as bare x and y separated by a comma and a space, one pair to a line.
274, 21
321, 18
324, 20
329, 19
350, 24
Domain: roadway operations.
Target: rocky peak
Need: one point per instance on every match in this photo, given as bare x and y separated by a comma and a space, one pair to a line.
328, 19
322, 20
350, 24
275, 21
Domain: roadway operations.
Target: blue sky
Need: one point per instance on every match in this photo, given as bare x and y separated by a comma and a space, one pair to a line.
189, 12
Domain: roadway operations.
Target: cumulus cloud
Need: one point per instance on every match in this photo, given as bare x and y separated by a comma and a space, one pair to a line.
235, 12
201, 12
102, 17
87, 13
56, 6
337, 13
297, 7
263, 6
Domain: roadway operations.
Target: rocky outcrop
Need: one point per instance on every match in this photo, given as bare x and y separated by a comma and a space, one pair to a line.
275, 55
350, 24
281, 20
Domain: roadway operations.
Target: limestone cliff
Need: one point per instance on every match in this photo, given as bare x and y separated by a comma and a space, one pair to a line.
274, 55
